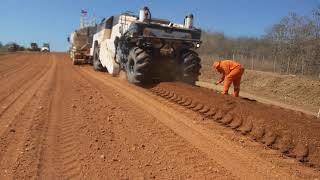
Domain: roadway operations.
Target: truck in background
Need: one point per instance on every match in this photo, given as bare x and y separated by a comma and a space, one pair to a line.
34, 47
80, 44
12, 47
45, 47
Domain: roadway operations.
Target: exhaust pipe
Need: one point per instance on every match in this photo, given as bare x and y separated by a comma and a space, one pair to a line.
144, 14
188, 21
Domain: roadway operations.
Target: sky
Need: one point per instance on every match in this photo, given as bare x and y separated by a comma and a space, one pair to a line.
25, 21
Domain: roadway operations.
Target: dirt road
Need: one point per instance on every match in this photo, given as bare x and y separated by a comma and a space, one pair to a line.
59, 121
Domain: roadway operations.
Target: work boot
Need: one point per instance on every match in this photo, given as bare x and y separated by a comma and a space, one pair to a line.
224, 92
236, 92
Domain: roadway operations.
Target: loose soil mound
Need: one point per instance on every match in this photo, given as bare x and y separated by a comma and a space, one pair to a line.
293, 133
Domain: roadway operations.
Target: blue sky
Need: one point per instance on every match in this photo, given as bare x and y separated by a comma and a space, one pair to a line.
25, 21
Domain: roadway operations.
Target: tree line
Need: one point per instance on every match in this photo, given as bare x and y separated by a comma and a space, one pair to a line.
292, 44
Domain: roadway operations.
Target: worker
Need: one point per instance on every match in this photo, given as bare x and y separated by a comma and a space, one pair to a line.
231, 73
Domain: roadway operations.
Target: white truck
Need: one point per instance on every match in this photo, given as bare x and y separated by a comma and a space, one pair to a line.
147, 48
45, 47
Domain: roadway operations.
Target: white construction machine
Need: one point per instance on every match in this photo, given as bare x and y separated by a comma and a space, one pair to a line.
146, 48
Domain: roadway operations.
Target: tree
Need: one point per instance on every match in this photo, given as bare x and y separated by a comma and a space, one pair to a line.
294, 42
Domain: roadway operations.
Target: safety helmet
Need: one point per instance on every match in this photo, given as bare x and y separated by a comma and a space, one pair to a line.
216, 64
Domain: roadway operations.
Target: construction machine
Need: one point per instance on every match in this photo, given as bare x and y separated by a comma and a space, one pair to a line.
146, 48
13, 47
34, 47
80, 44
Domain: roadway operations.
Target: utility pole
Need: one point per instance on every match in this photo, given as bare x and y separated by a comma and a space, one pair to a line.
251, 62
274, 64
81, 21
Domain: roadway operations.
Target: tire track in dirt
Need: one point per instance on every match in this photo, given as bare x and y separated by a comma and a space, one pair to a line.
21, 118
22, 63
13, 61
61, 160
18, 82
15, 70
68, 147
20, 93
29, 161
9, 56
224, 118
13, 96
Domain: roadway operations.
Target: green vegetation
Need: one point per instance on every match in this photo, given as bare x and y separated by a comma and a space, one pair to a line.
2, 48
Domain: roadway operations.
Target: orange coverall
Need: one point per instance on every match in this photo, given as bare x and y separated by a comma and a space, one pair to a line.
232, 73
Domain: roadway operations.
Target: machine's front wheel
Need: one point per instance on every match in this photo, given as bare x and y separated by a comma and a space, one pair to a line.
97, 66
191, 67
138, 66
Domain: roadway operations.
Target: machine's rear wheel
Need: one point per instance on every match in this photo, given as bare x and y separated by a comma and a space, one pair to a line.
191, 67
138, 66
97, 66
75, 61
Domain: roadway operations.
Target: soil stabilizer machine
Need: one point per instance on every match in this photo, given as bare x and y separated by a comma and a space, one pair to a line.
80, 44
146, 48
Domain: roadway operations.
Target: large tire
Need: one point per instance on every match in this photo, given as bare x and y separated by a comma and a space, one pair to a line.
72, 56
97, 66
191, 67
90, 60
75, 61
138, 66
